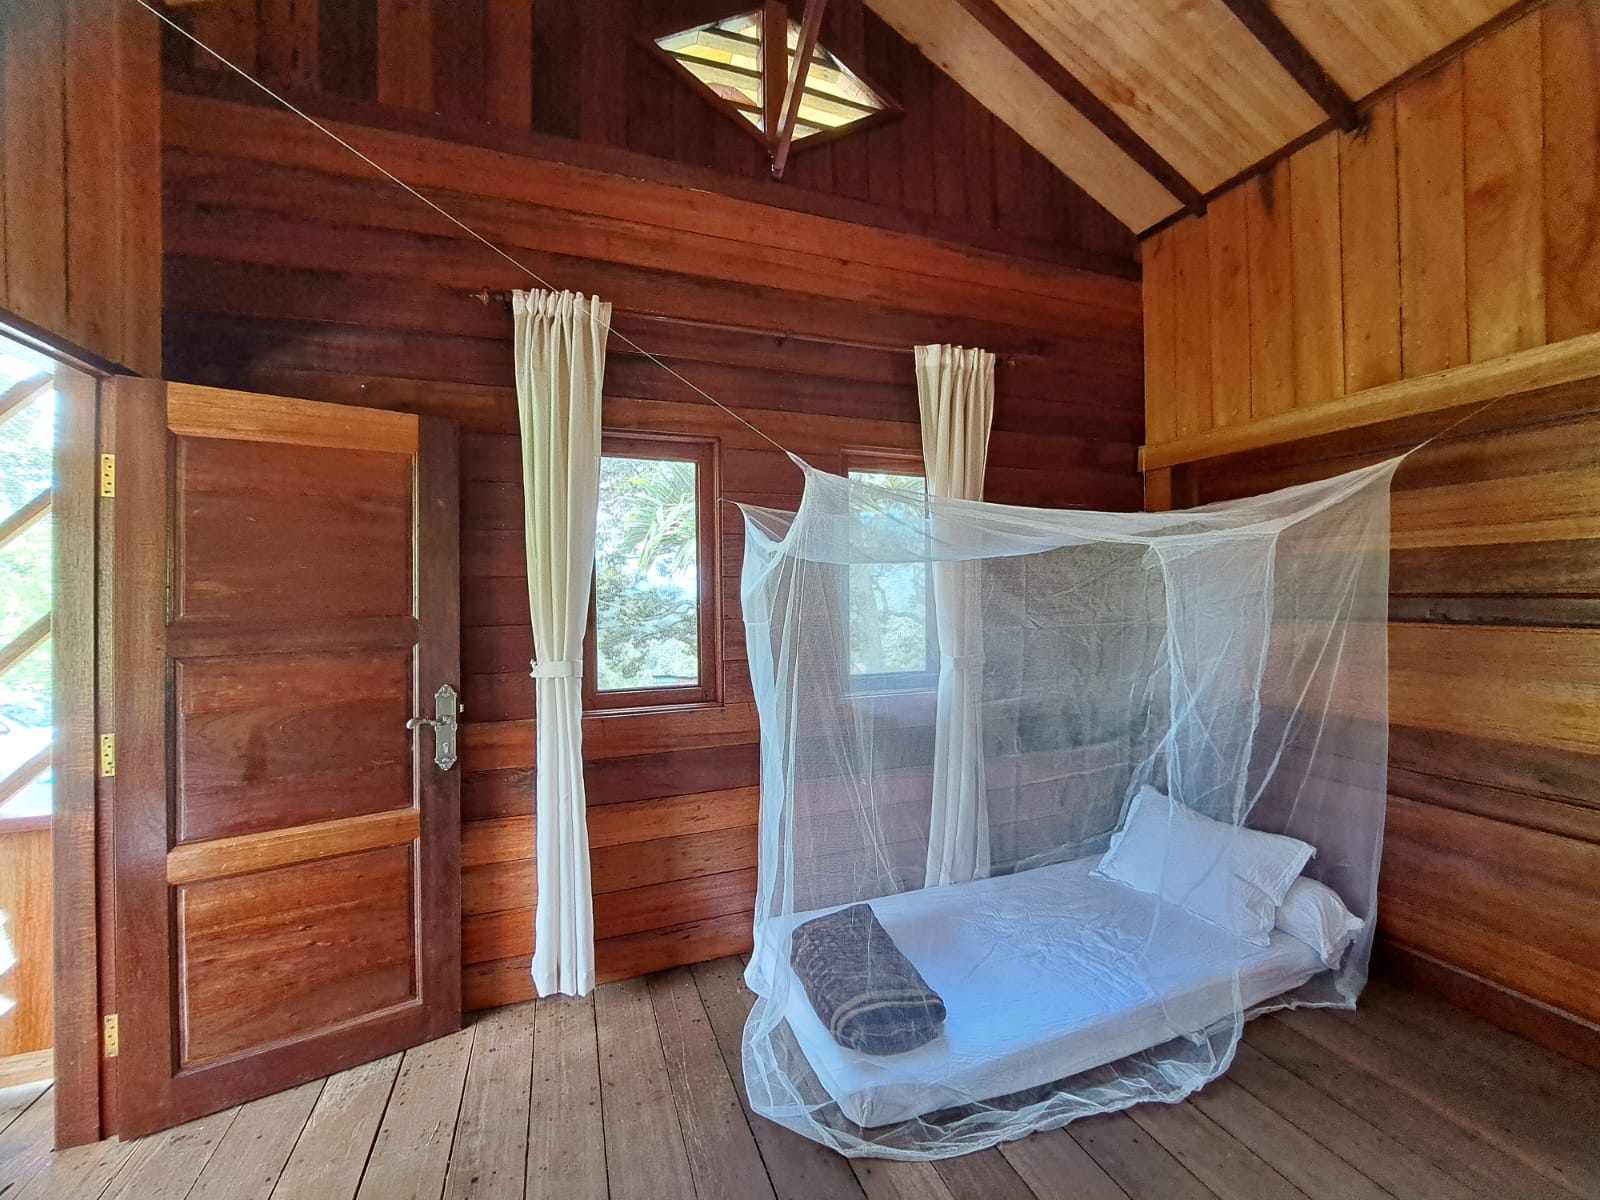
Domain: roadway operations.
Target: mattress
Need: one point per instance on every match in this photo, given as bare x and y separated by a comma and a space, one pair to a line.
1045, 973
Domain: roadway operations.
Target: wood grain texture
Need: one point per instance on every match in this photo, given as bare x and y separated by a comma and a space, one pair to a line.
1493, 743
1429, 119
25, 899
1209, 124
1369, 251
562, 79
1571, 80
1463, 211
1316, 269
1271, 267
79, 191
1503, 141
1229, 301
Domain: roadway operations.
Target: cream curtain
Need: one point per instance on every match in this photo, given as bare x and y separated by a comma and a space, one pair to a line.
560, 344
955, 392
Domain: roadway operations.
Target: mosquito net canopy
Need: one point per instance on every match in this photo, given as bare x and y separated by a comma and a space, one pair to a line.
1053, 800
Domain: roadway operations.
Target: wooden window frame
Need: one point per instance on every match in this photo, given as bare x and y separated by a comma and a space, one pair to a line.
892, 462
708, 557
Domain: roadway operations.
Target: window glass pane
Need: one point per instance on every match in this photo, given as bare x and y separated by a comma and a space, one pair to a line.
888, 613
647, 575
27, 447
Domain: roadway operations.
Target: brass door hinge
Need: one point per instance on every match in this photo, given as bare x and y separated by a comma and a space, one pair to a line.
108, 474
108, 755
109, 1040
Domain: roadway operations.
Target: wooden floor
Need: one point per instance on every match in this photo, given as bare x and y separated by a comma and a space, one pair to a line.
637, 1092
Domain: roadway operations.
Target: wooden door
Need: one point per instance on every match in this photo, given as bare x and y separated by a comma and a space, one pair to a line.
286, 854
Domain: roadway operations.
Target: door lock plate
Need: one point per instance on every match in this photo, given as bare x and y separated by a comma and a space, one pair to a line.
446, 718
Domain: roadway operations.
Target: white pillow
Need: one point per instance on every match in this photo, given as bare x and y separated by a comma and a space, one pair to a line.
1314, 913
1225, 874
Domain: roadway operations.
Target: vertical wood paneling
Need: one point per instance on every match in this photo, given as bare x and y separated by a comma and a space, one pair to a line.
1571, 96
138, 175
1369, 251
460, 59
35, 173
583, 69
405, 53
1160, 339
80, 225
1229, 300
1267, 215
1318, 286
94, 170
510, 70
1433, 240
228, 27
1192, 326
289, 38
1504, 192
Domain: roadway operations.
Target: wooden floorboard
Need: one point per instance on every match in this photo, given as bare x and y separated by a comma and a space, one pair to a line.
638, 1091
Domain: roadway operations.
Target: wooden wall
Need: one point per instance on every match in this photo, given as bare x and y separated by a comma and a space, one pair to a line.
289, 270
80, 228
1462, 226
582, 70
1459, 224
25, 903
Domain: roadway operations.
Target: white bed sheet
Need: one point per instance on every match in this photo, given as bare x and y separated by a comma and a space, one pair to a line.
1044, 974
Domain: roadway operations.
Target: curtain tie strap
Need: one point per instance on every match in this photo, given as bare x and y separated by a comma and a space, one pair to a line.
561, 668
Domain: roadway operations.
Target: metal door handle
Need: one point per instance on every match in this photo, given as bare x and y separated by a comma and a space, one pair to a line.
448, 708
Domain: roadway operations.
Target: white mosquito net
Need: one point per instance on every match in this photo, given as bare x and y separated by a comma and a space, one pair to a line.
1053, 800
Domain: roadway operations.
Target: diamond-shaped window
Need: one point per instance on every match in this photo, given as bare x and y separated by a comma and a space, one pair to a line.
725, 57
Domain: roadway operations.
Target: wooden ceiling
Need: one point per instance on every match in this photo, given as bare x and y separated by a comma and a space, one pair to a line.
1152, 105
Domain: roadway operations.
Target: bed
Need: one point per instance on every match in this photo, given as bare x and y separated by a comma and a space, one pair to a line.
1044, 973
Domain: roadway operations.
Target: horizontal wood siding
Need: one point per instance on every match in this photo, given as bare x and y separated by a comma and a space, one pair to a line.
289, 271
1461, 226
80, 184
586, 72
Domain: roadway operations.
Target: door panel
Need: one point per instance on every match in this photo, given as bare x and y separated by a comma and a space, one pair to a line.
252, 758
287, 883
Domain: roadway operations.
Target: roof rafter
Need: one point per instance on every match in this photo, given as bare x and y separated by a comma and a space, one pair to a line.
1302, 66
1067, 85
810, 28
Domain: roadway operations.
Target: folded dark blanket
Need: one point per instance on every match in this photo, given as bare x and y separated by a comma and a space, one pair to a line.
865, 992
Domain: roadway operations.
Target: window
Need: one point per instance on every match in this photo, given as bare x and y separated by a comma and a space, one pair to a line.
653, 629
892, 643
725, 59
27, 449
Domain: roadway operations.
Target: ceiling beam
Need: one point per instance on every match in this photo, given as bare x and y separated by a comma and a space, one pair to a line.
1294, 58
810, 28
1067, 85
774, 65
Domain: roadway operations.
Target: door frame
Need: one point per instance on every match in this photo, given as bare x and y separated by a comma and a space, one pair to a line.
74, 823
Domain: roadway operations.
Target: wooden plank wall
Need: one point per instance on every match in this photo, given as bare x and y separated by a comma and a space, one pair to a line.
1459, 224
25, 905
581, 71
1463, 225
80, 228
289, 270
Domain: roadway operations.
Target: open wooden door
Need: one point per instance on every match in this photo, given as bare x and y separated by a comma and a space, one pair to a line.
286, 883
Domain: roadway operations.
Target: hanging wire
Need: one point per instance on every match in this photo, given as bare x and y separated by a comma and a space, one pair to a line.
451, 217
